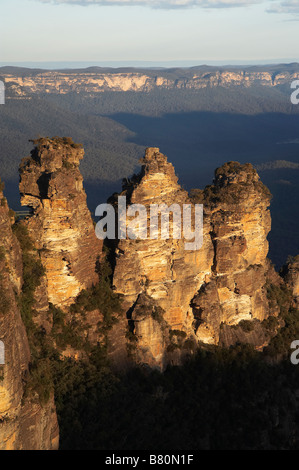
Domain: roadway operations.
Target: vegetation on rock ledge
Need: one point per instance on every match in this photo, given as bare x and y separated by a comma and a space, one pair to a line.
56, 142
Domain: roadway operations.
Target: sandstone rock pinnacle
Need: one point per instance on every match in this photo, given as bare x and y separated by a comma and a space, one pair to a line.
61, 225
221, 283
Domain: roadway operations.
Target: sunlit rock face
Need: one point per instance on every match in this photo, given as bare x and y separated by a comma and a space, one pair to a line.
61, 225
54, 82
196, 290
24, 424
237, 207
161, 268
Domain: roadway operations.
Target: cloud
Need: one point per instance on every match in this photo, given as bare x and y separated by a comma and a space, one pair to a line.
165, 4
288, 6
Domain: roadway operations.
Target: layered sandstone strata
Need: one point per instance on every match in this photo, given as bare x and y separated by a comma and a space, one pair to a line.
160, 269
54, 82
23, 424
195, 291
61, 225
237, 207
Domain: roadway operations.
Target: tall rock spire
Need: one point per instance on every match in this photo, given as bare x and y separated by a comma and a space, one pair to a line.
236, 206
61, 225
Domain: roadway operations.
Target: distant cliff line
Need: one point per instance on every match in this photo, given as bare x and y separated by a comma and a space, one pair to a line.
24, 82
277, 165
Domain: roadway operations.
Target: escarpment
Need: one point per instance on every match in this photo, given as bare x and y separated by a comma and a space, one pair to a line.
94, 82
52, 186
24, 422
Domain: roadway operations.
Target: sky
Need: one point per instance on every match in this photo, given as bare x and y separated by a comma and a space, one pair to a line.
154, 31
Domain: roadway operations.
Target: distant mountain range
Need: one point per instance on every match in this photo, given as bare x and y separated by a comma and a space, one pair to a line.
150, 64
22, 82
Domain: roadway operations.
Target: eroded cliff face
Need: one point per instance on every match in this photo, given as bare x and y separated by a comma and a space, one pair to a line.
195, 291
24, 423
159, 269
55, 82
237, 208
61, 225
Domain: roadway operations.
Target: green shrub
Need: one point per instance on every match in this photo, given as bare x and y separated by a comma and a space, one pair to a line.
33, 271
177, 333
158, 314
246, 325
12, 213
55, 142
22, 234
190, 344
57, 315
176, 338
280, 343
66, 332
279, 296
5, 302
132, 340
39, 380
197, 196
270, 323
2, 253
172, 347
100, 297
68, 165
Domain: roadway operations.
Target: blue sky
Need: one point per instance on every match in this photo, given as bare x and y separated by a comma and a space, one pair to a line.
203, 31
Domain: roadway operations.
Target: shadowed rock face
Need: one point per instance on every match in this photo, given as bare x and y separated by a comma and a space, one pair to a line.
222, 282
23, 424
61, 225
